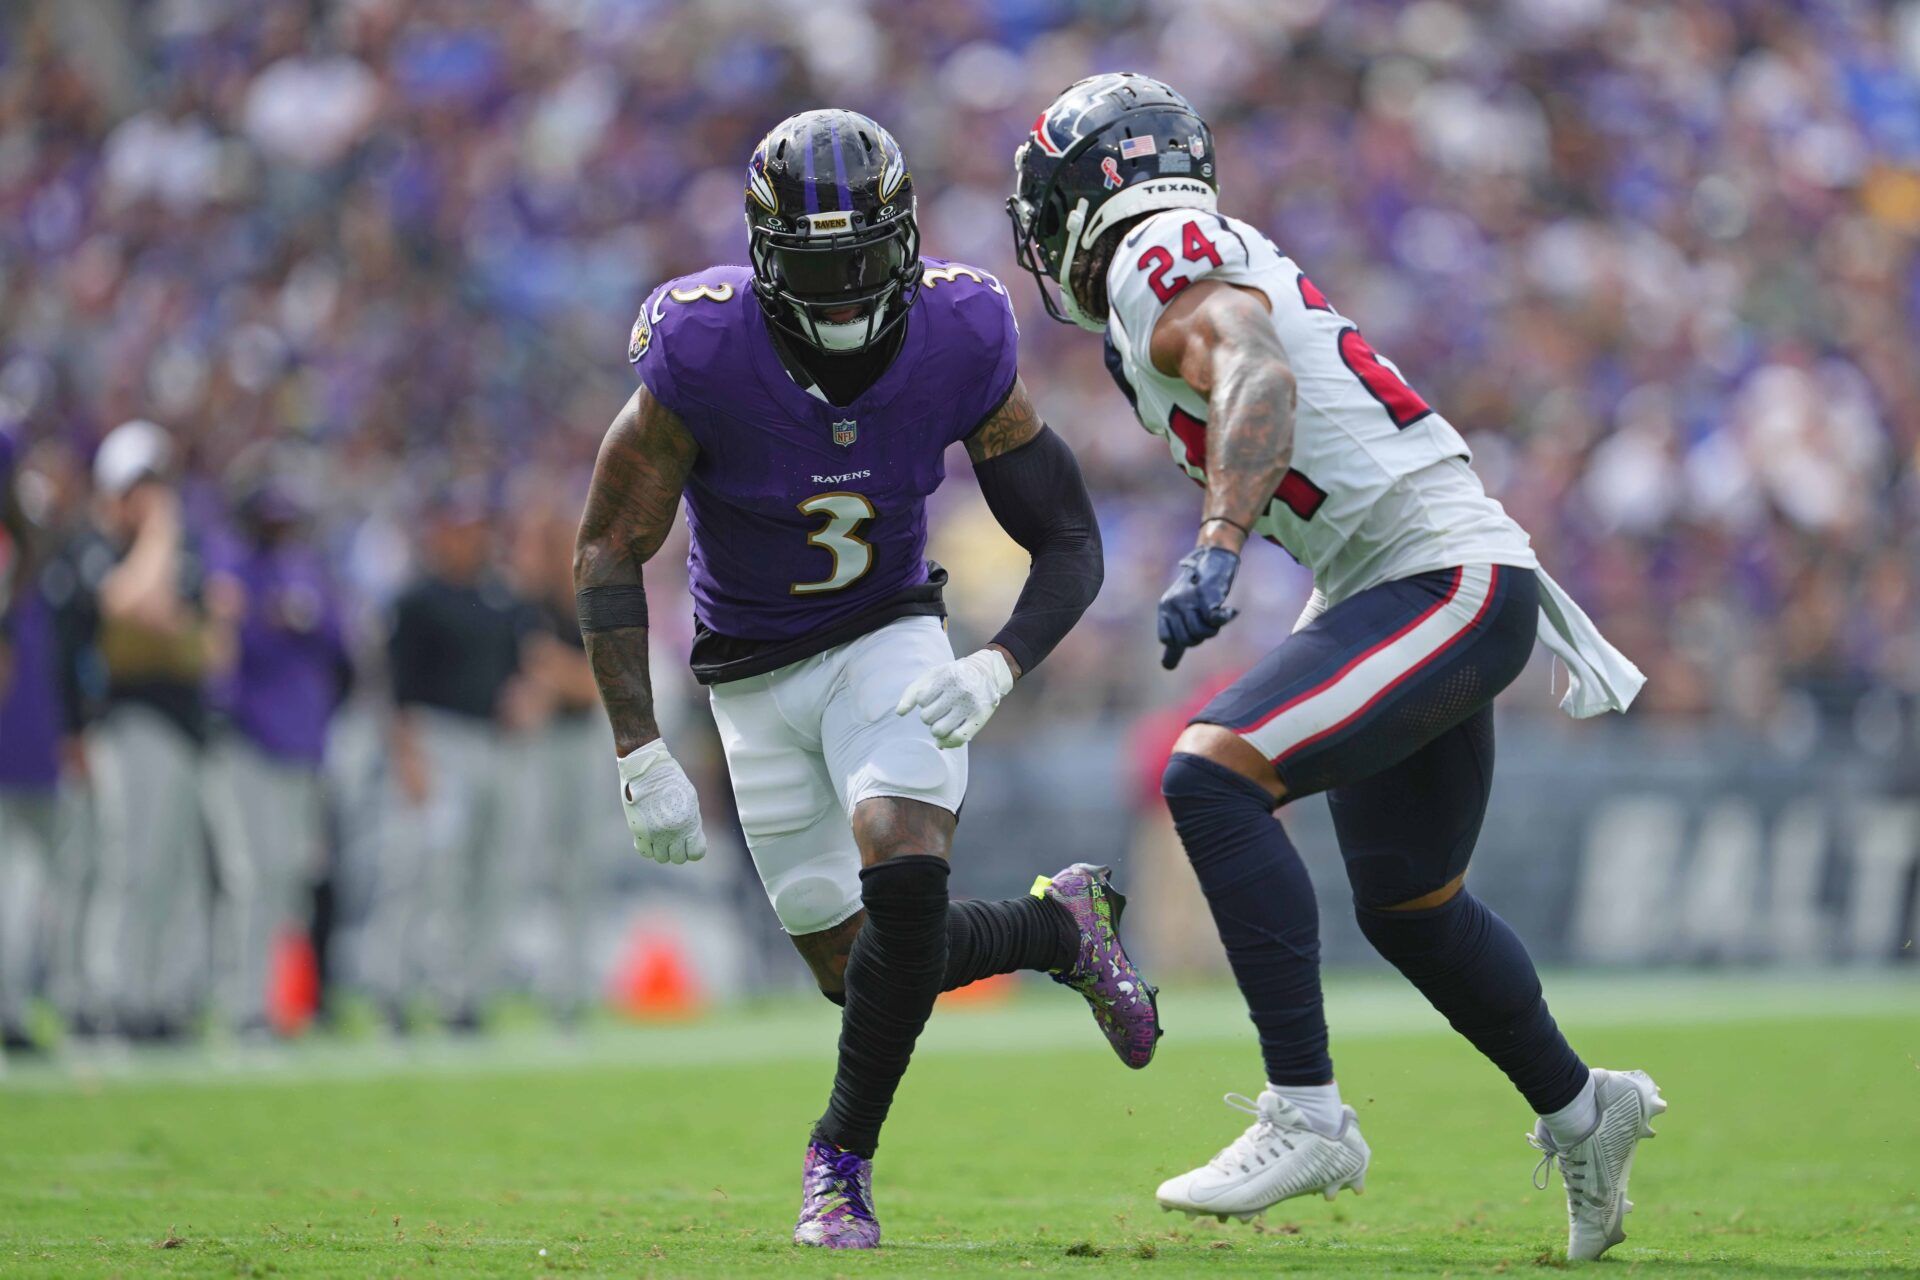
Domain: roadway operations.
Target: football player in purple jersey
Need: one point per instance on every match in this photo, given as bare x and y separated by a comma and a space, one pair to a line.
803, 406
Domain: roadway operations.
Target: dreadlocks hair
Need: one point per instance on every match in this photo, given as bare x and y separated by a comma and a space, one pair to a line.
1089, 275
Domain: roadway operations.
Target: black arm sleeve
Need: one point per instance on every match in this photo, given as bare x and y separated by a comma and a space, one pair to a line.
1037, 495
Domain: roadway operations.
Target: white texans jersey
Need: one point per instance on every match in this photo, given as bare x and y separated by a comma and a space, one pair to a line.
1380, 487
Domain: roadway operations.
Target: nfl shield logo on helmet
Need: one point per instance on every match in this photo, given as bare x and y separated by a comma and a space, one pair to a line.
845, 432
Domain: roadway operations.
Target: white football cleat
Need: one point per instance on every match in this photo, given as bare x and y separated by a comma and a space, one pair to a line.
1279, 1156
1595, 1168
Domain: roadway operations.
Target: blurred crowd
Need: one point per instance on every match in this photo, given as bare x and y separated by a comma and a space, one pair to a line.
361, 272
173, 797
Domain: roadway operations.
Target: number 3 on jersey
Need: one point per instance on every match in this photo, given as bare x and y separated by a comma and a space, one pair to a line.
852, 556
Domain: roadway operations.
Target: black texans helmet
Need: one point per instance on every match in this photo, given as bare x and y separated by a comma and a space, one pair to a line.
1110, 148
830, 229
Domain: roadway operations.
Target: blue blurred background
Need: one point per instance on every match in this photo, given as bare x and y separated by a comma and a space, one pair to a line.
370, 265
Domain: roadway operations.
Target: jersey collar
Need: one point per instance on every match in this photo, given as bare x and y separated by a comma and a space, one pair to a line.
807, 402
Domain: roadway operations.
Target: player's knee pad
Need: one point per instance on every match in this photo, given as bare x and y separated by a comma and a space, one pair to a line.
815, 895
1209, 800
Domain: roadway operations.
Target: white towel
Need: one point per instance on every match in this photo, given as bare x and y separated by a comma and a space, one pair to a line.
1601, 677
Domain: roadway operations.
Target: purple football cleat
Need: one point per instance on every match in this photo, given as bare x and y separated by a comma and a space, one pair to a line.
1122, 1002
836, 1204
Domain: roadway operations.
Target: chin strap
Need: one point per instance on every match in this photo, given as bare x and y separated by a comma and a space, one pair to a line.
1070, 304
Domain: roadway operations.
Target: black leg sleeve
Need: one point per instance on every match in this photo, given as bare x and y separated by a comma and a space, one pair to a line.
895, 971
988, 938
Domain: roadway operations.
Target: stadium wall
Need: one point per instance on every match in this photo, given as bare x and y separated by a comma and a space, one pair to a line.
1612, 844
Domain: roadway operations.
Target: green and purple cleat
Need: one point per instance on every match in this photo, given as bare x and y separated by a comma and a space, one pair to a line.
836, 1200
1121, 1000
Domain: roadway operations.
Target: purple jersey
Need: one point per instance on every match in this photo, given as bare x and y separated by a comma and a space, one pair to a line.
9, 554
293, 662
30, 719
804, 514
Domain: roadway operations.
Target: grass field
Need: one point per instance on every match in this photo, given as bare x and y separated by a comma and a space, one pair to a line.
1792, 1147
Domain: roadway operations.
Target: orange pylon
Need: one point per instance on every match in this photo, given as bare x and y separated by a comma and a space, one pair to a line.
293, 983
656, 980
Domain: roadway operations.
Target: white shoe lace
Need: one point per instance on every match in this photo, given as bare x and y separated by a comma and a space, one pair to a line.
1256, 1144
1573, 1172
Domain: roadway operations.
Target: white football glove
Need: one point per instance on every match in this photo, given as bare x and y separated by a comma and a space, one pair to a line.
956, 698
663, 809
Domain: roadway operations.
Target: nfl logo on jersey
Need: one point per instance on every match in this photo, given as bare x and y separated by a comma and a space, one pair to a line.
845, 432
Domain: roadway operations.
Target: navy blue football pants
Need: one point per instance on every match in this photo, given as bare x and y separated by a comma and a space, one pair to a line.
1385, 702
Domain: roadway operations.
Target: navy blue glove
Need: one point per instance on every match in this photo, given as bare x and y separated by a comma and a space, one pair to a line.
1195, 607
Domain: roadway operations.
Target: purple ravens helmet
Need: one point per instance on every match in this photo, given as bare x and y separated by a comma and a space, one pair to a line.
831, 231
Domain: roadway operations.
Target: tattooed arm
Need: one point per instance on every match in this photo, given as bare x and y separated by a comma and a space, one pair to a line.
1219, 338
1014, 423
637, 481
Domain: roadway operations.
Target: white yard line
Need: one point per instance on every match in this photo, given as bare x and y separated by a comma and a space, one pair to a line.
1040, 1019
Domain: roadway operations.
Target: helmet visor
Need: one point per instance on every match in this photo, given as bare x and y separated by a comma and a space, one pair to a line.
843, 274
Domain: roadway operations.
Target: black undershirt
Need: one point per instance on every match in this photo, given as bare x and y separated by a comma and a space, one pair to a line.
717, 659
841, 376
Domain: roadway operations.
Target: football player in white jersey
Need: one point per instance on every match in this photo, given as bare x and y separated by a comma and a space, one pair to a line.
1427, 601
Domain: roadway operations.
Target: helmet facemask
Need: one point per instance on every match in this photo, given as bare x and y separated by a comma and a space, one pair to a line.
837, 290
1047, 237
